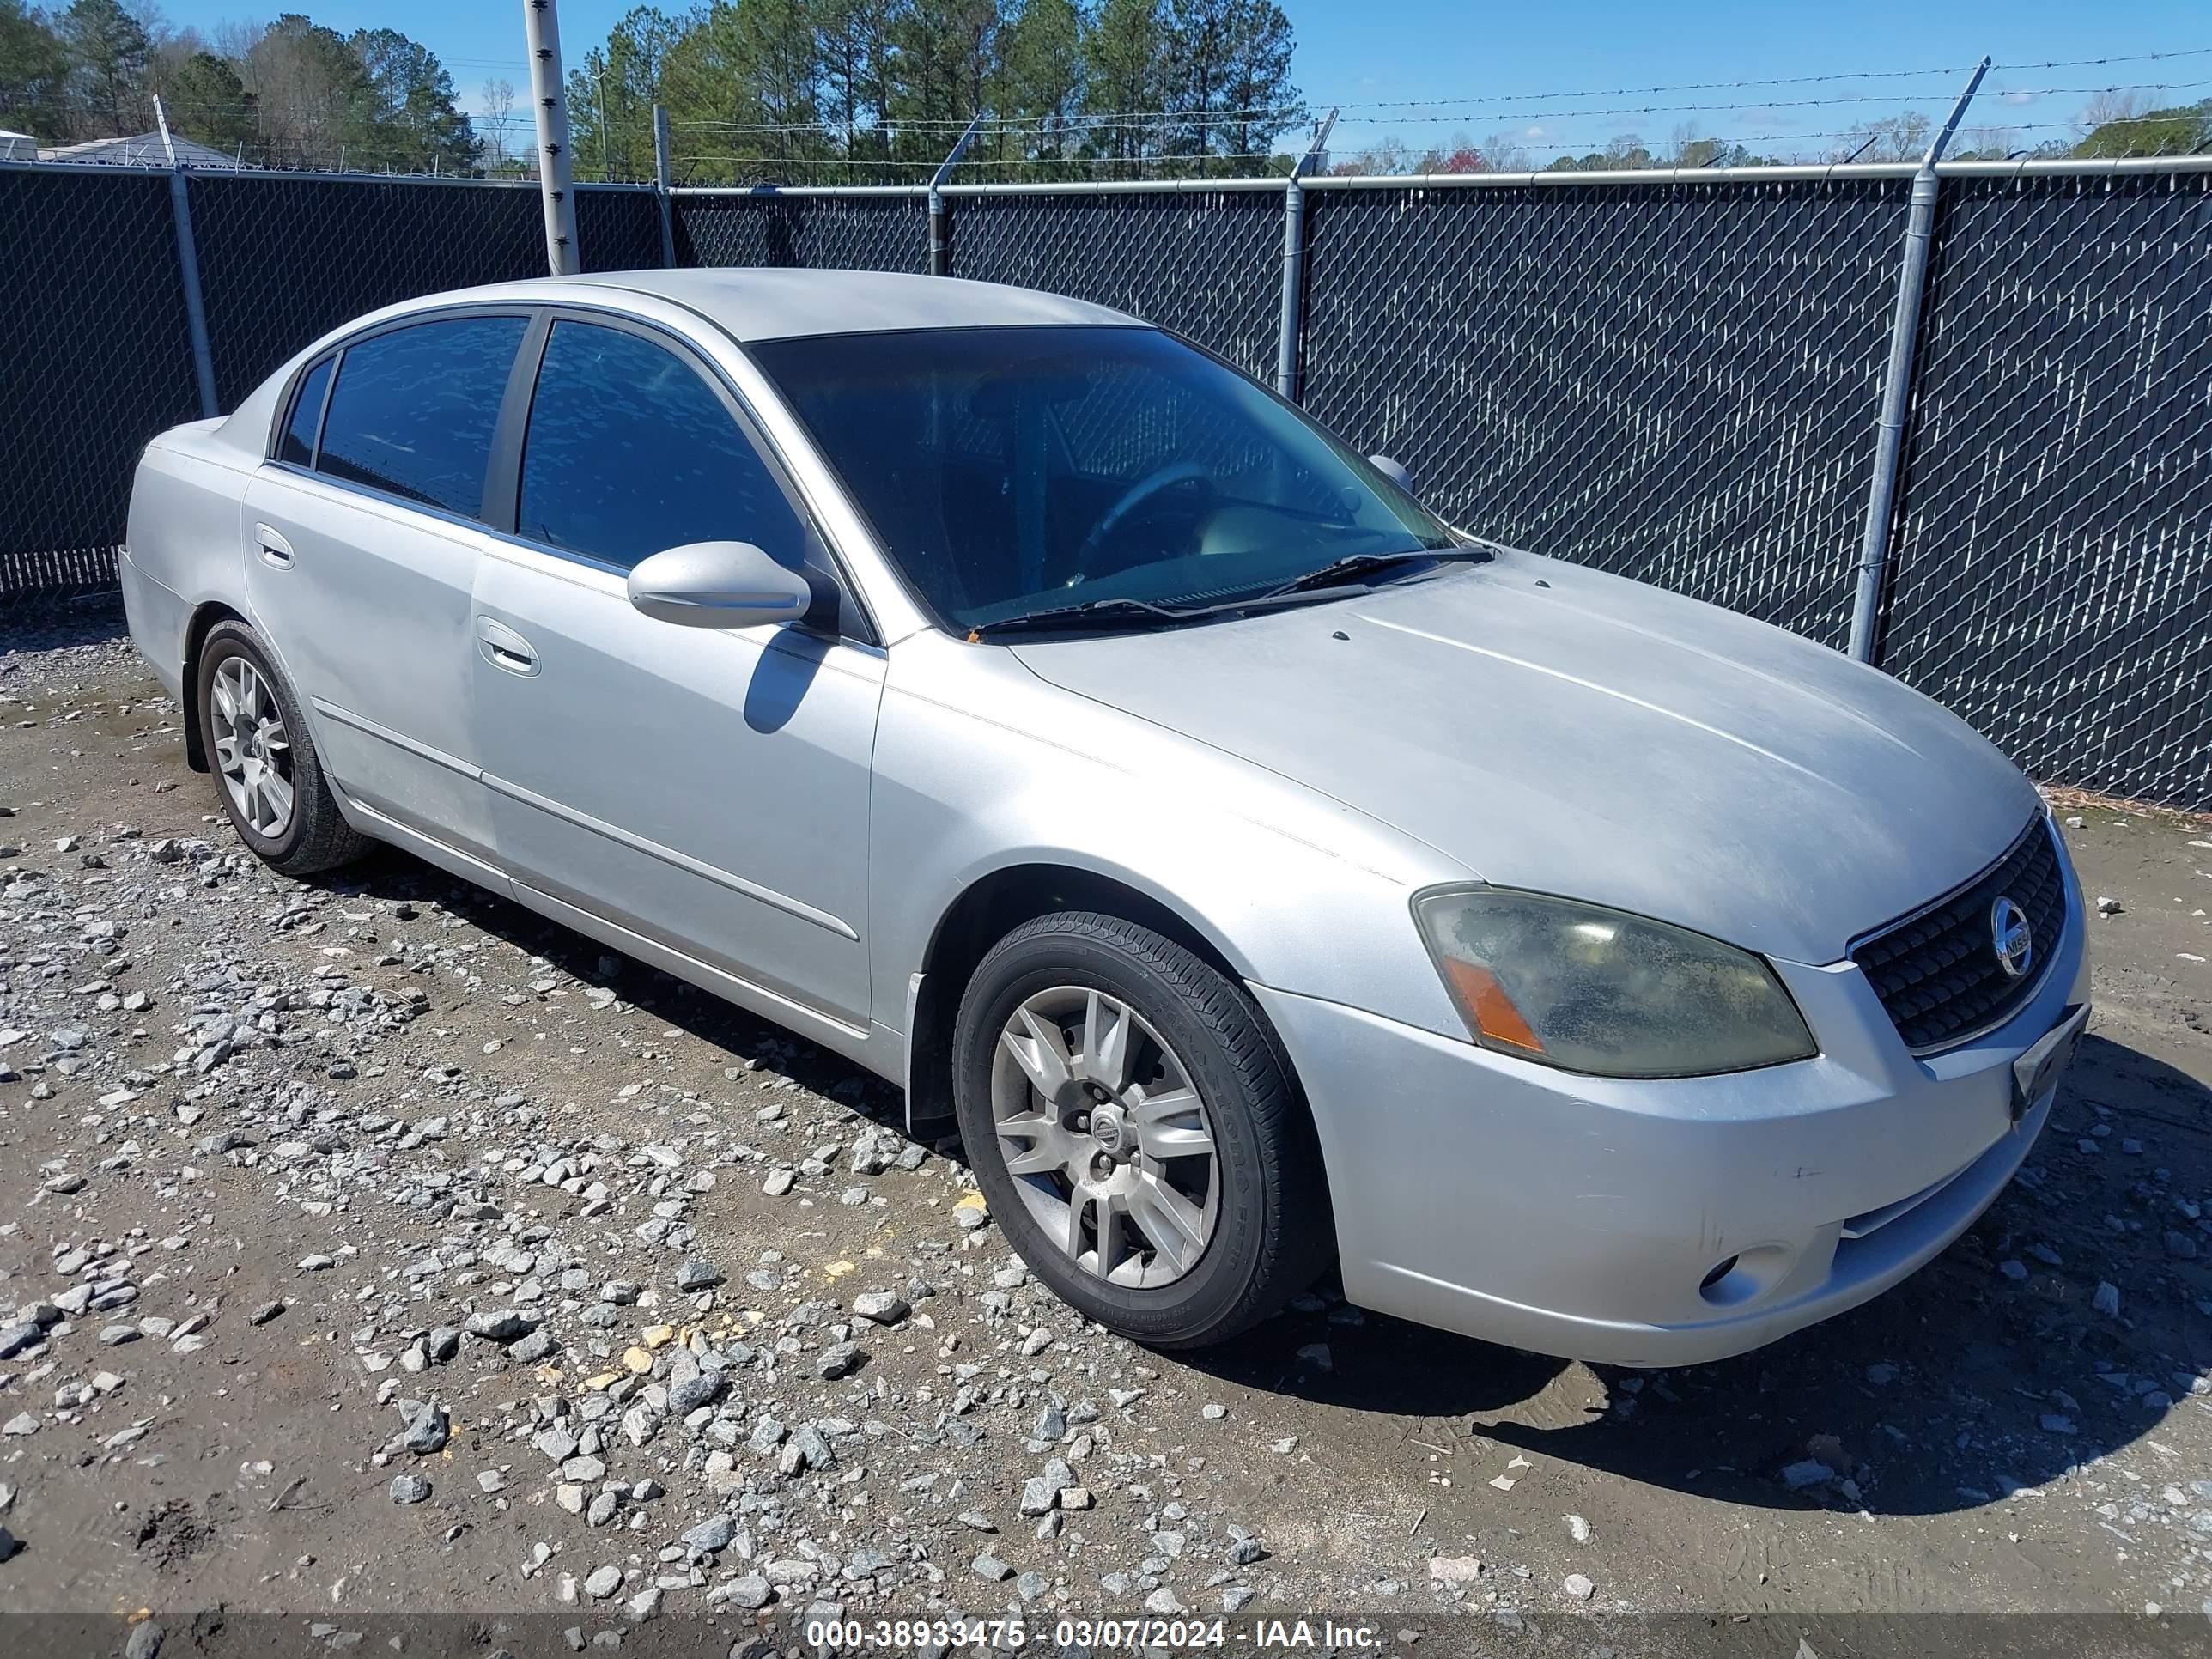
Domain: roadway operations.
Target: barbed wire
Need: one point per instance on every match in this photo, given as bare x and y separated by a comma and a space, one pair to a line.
1742, 141
1451, 105
500, 131
1774, 80
1137, 121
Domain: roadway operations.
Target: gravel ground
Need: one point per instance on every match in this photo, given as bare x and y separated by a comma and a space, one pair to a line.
373, 1245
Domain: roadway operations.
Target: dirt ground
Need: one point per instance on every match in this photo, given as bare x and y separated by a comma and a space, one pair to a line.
309, 1194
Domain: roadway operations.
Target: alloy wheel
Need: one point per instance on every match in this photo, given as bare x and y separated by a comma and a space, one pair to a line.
1105, 1136
252, 751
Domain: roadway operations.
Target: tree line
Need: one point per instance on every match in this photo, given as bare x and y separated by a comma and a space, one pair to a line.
850, 91
840, 91
291, 93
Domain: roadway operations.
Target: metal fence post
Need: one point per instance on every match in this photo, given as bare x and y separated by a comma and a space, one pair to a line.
940, 246
1293, 325
188, 268
549, 93
1897, 386
661, 171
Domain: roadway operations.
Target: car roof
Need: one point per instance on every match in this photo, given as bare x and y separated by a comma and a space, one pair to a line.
748, 304
777, 304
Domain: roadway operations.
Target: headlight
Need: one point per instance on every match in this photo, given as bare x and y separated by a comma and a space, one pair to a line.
1588, 989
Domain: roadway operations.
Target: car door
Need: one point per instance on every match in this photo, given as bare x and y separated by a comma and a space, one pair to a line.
707, 788
364, 532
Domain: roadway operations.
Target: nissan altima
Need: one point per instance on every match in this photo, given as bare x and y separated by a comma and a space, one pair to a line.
1025, 704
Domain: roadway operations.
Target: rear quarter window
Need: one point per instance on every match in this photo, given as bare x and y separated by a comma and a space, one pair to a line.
298, 444
414, 409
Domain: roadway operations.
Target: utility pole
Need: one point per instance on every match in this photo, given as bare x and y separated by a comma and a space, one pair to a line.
941, 245
1897, 385
549, 96
663, 175
1291, 326
188, 269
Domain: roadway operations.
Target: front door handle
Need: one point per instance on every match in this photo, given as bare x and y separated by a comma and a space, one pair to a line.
503, 648
275, 549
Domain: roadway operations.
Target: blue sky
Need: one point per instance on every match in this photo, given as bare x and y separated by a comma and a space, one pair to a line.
1486, 64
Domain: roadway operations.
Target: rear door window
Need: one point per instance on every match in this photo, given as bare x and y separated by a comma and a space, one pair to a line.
415, 410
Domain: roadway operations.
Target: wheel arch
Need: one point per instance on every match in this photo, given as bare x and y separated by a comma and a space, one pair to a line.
205, 617
988, 909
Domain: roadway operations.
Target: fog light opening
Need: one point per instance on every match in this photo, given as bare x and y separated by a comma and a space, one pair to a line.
1744, 1277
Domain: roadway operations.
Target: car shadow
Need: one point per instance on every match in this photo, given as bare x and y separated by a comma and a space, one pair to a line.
1992, 1370
1955, 1389
54, 622
385, 873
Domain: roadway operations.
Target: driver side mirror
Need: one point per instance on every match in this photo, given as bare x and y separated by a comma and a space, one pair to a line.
1390, 470
718, 585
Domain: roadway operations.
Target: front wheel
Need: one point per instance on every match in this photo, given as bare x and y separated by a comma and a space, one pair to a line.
1135, 1127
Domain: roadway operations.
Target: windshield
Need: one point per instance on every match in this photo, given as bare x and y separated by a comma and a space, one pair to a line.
1016, 470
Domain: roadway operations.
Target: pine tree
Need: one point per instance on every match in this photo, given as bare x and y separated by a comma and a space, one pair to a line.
107, 51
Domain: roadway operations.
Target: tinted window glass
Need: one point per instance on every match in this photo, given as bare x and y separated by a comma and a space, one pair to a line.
413, 410
299, 444
1014, 469
630, 451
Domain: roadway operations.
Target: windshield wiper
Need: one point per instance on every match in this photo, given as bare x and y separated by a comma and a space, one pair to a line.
1091, 613
1355, 566
1125, 613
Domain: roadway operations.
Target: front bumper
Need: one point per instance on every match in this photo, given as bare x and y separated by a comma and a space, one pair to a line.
1586, 1217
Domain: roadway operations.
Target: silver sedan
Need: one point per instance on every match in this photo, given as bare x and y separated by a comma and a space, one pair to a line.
1022, 702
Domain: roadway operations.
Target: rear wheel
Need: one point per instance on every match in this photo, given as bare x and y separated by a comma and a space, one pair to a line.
263, 760
1135, 1128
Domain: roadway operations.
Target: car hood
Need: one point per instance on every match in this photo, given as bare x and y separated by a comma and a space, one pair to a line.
1551, 727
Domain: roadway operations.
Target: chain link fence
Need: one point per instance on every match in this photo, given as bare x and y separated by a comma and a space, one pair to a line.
95, 338
2053, 563
1673, 378
93, 358
1673, 381
285, 257
841, 233
1206, 264
617, 227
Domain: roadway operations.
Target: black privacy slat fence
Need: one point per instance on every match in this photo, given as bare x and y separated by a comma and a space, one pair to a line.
833, 233
2054, 552
1671, 382
1676, 377
93, 361
285, 257
1208, 264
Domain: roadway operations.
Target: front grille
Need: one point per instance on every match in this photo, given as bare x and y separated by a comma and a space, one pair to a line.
1937, 973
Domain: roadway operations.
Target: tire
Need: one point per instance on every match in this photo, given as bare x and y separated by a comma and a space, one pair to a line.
1262, 1199
312, 834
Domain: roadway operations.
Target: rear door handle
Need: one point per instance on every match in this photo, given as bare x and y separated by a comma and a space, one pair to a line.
503, 648
275, 549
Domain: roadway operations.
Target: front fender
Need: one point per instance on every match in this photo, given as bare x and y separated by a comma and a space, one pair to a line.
980, 766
